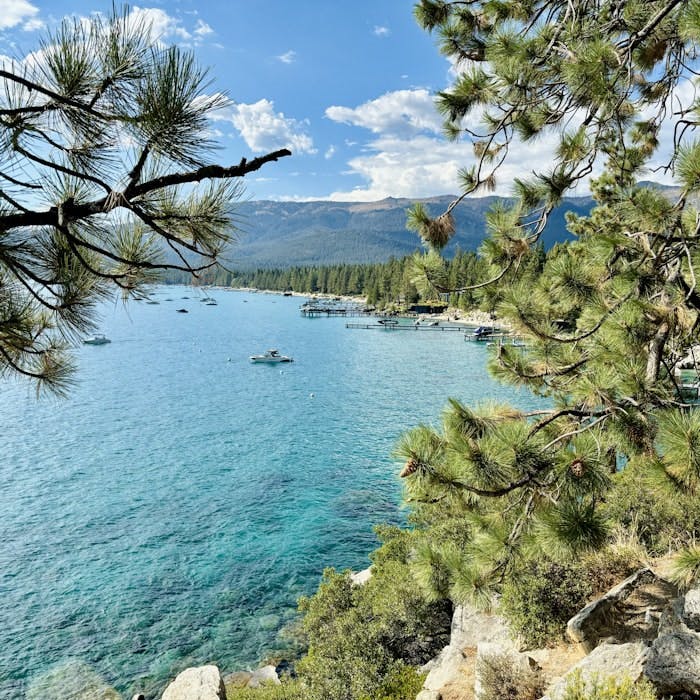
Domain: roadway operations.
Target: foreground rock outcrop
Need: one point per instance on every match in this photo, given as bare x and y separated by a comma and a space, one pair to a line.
453, 668
198, 683
640, 628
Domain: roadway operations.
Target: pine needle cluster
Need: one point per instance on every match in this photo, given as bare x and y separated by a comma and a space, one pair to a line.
106, 179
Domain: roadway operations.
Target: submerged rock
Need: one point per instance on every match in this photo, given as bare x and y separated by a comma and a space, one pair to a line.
73, 680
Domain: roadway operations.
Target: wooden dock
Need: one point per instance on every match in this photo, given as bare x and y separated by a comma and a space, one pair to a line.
328, 310
406, 327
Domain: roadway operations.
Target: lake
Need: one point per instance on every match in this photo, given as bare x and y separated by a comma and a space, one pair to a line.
171, 510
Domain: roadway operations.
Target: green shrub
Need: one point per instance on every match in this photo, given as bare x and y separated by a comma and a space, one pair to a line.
663, 518
400, 683
540, 599
605, 568
363, 640
607, 689
502, 679
288, 690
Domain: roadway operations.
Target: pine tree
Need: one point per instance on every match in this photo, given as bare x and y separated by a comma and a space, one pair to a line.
106, 180
608, 319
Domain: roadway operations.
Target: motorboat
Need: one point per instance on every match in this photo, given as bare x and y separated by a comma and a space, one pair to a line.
97, 339
388, 322
270, 356
485, 332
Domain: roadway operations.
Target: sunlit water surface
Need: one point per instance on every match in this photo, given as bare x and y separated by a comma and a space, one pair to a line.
171, 510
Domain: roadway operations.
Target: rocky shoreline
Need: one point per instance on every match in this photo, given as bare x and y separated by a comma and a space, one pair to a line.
643, 627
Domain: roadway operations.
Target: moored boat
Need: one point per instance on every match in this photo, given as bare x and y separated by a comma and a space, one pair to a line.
271, 356
97, 339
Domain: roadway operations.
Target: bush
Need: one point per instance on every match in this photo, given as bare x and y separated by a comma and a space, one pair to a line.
363, 640
502, 679
607, 567
663, 519
540, 599
288, 690
608, 689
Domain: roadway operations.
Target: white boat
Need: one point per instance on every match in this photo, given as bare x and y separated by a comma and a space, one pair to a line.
97, 339
270, 356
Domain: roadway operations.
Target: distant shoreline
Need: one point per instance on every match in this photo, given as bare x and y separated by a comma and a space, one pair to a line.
451, 315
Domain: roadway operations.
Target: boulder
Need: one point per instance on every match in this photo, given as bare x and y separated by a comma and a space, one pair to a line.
429, 695
690, 612
238, 679
606, 660
266, 675
445, 669
198, 683
626, 613
471, 626
673, 665
359, 578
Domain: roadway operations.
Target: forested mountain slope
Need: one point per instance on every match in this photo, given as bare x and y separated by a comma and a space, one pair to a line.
283, 234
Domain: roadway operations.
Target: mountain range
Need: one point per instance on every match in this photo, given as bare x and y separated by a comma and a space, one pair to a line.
287, 234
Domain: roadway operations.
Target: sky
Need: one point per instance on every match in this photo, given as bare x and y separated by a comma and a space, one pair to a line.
347, 85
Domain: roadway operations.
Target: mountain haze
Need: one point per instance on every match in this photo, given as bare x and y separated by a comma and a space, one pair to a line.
284, 234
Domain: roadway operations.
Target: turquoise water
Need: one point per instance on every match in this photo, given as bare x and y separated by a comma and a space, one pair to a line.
174, 507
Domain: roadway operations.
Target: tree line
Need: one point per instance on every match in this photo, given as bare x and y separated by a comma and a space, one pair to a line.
397, 282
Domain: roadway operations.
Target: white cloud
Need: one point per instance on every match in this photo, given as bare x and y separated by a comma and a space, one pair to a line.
162, 25
202, 29
402, 113
288, 57
381, 31
19, 12
264, 130
330, 152
408, 157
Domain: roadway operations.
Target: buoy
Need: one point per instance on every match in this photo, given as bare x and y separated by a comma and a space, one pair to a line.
311, 395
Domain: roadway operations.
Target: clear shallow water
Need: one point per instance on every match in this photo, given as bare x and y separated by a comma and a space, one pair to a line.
174, 507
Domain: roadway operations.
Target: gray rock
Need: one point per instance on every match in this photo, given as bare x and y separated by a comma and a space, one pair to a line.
471, 626
445, 670
673, 665
238, 679
267, 675
606, 617
606, 660
359, 578
691, 609
428, 695
198, 683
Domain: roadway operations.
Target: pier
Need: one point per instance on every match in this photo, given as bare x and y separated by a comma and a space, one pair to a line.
312, 310
407, 327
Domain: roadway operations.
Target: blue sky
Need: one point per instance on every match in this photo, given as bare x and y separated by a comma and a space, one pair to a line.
347, 85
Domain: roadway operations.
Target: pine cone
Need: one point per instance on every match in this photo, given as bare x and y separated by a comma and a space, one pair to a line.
578, 468
410, 467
